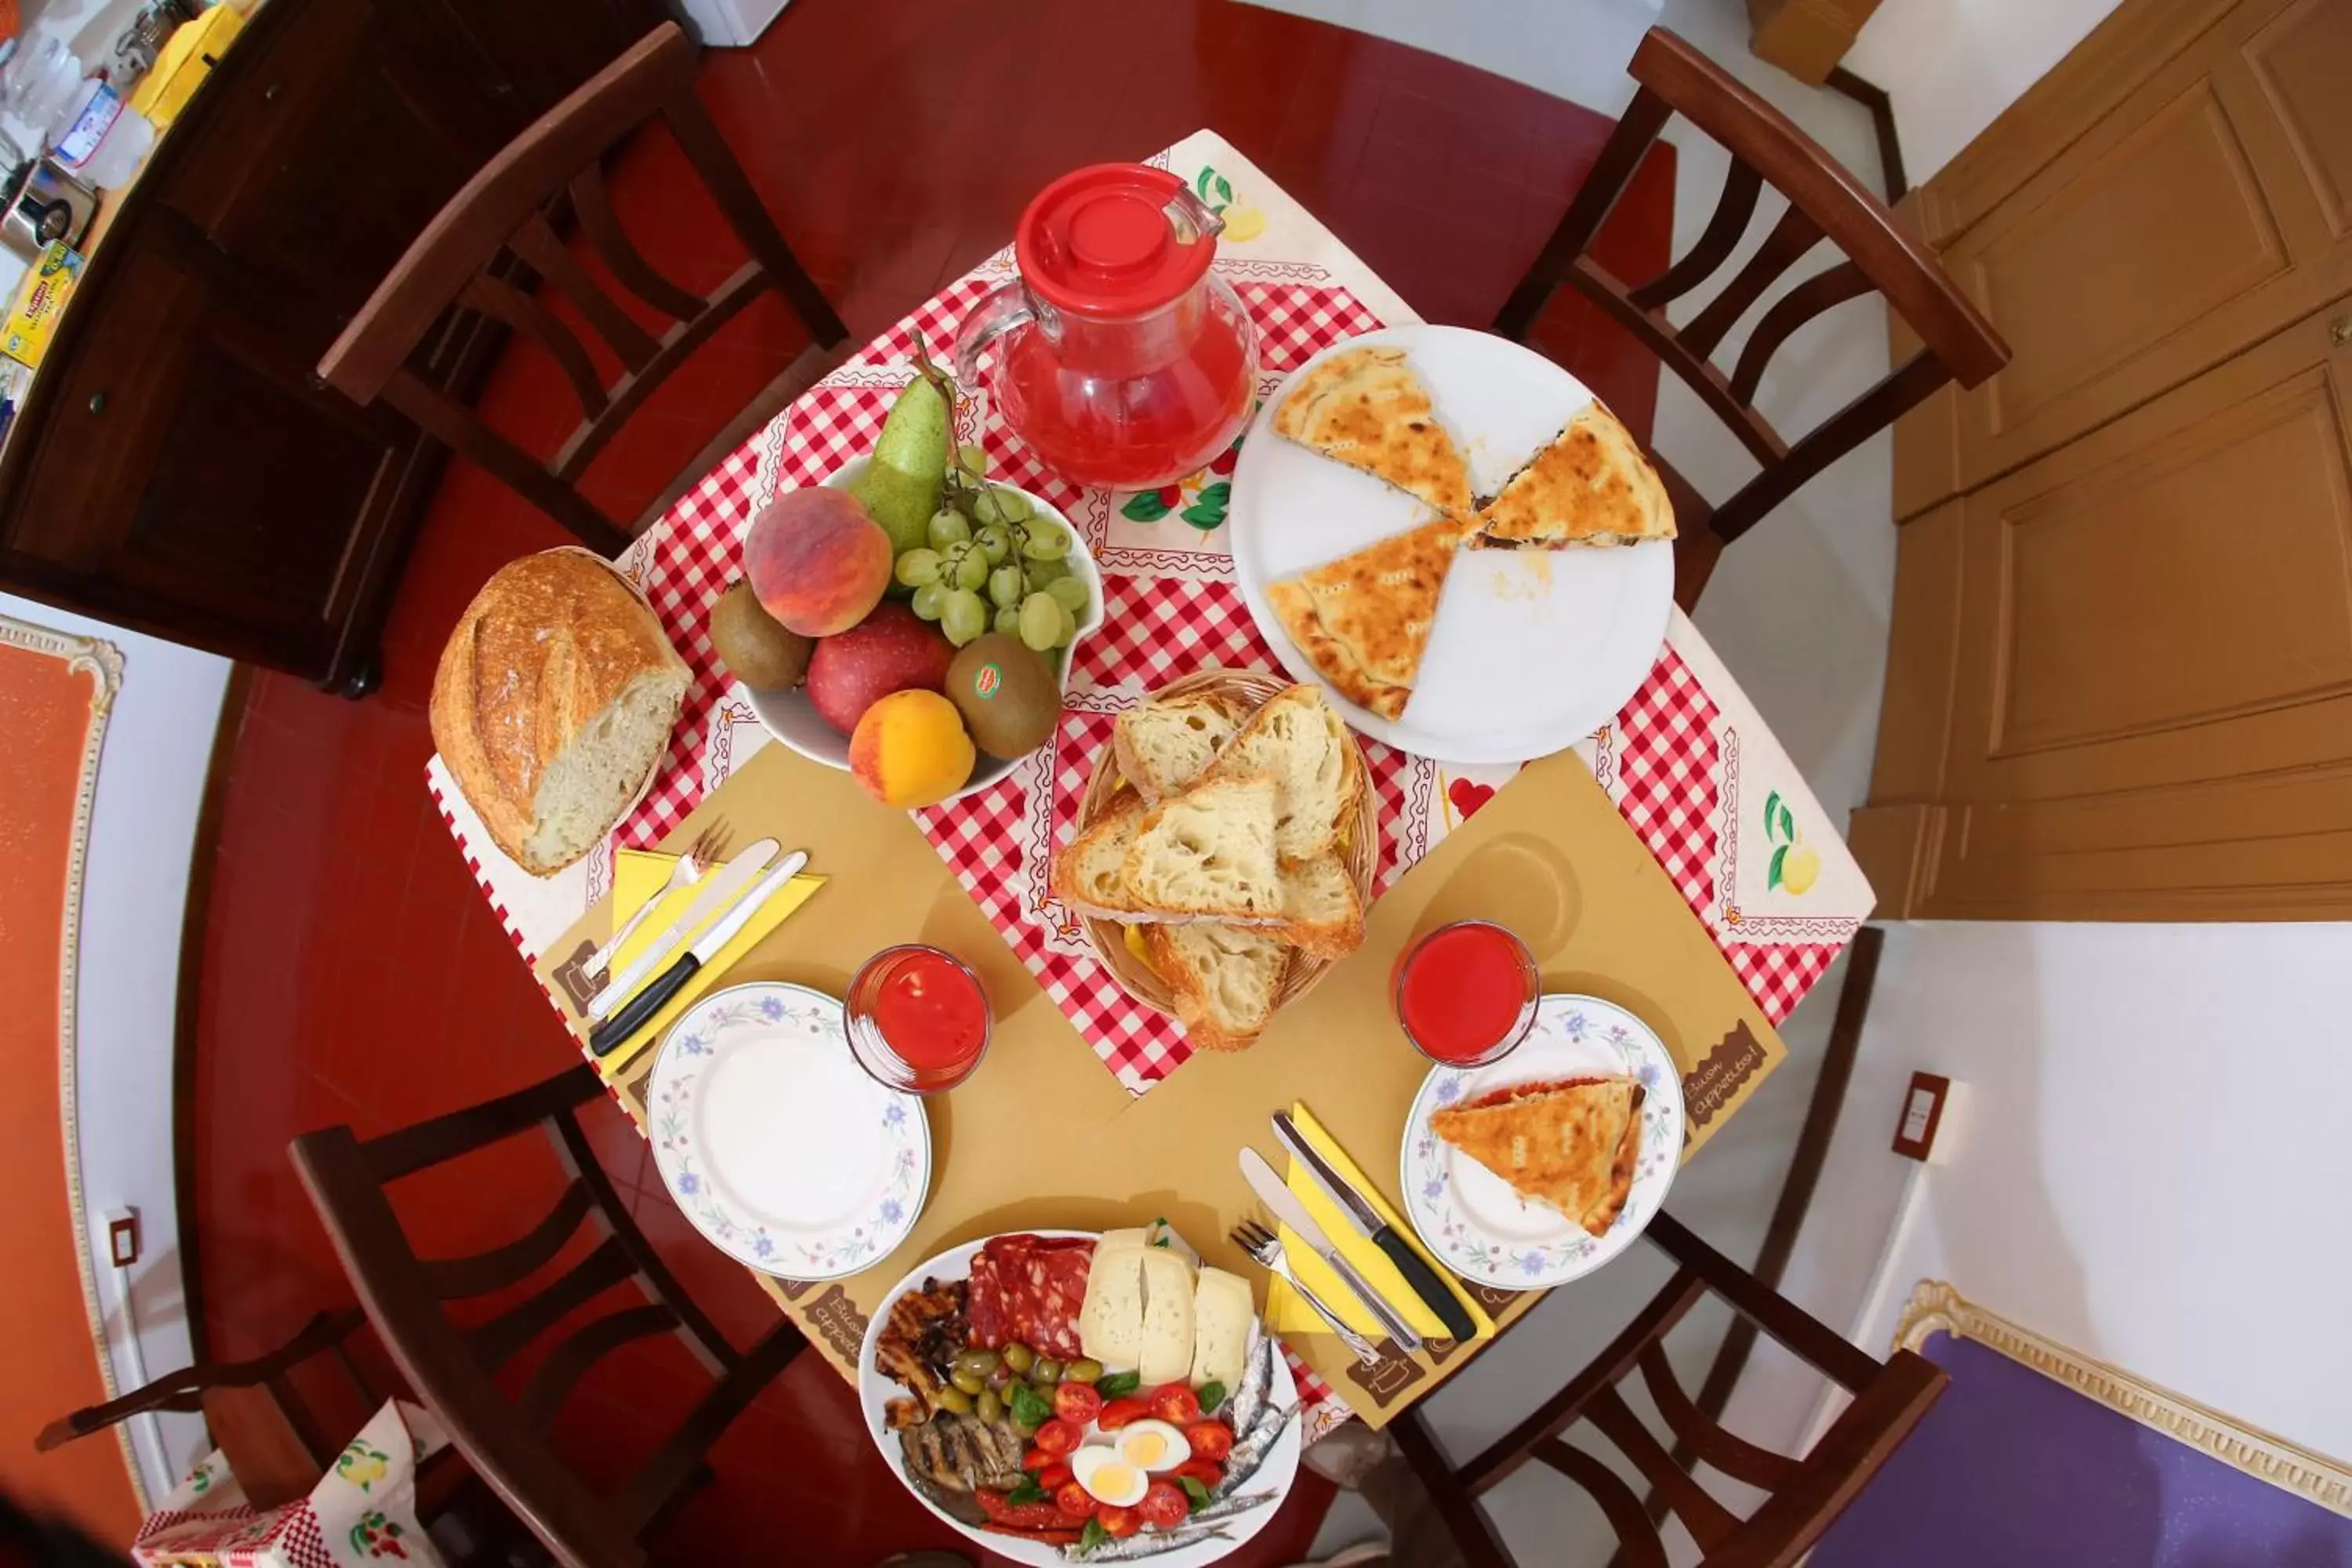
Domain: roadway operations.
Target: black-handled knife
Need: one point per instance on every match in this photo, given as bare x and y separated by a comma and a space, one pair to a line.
1416, 1271
635, 1013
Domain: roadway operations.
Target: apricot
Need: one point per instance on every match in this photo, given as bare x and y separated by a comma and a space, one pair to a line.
817, 561
911, 749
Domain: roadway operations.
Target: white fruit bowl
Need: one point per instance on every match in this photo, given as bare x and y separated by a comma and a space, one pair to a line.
793, 718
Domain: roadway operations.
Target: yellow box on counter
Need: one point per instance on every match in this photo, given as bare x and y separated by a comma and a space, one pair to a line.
186, 60
40, 299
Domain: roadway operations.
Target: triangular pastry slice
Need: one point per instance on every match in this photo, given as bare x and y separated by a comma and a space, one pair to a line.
1366, 408
1590, 487
1363, 620
1569, 1145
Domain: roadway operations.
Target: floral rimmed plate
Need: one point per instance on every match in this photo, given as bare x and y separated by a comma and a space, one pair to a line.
1472, 1220
773, 1141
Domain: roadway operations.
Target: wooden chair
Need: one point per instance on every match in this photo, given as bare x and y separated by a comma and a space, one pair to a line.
1824, 201
462, 258
452, 1369
1805, 1494
278, 1444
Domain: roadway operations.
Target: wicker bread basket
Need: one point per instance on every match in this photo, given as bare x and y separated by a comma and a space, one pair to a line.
1359, 849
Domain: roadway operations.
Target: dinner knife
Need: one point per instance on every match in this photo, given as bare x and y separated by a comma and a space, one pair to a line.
670, 981
1267, 1182
1409, 1263
718, 891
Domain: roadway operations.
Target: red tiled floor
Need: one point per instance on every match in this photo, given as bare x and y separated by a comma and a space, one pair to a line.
352, 973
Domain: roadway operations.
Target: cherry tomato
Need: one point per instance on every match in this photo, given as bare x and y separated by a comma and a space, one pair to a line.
1073, 1499
1035, 1459
1076, 1402
1164, 1505
1175, 1404
1118, 1523
1119, 1412
1053, 1477
1058, 1437
1211, 1440
1208, 1472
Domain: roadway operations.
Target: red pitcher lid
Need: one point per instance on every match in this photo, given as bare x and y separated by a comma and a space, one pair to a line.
1098, 241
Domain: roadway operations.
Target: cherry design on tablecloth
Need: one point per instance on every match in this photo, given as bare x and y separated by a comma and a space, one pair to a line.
1200, 498
1468, 797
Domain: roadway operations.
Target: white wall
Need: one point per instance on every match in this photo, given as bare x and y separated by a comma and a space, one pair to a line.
2153, 1169
1950, 66
151, 782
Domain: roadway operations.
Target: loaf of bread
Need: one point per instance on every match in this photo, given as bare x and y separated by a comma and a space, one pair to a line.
1321, 913
1225, 979
1163, 746
1208, 854
1087, 875
553, 704
1297, 740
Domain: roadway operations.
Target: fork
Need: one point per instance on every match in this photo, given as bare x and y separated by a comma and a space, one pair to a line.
708, 845
1267, 1247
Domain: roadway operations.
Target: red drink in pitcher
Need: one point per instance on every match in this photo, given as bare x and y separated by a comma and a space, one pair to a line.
1466, 992
1121, 358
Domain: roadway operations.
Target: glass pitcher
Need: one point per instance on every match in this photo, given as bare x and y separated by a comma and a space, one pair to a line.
1122, 359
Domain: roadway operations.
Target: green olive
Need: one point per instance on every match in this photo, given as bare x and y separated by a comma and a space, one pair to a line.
988, 1406
969, 1381
980, 1362
954, 1399
1045, 1372
1019, 1357
1083, 1372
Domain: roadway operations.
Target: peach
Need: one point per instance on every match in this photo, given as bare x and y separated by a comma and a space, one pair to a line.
817, 561
910, 749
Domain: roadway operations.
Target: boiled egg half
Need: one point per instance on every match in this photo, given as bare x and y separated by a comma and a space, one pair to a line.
1152, 1445
1107, 1478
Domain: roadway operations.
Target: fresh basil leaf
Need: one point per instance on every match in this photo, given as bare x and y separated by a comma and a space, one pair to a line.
1212, 1394
1118, 1384
1029, 1407
1195, 1490
1027, 1491
1093, 1536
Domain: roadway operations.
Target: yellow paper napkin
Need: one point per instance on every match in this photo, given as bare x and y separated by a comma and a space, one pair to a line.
638, 875
1285, 1308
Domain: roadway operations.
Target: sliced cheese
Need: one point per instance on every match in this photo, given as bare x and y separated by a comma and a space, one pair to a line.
1122, 1241
1167, 1350
1111, 1320
1221, 1315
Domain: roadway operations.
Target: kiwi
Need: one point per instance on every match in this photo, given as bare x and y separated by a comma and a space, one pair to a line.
753, 645
1006, 693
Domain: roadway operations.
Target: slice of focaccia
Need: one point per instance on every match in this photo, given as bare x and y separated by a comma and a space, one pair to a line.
1570, 1145
1590, 487
1366, 408
1363, 620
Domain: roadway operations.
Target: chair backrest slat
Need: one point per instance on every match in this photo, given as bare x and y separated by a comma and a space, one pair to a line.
592, 204
495, 1343
580, 1349
1637, 1538
1733, 209
537, 243
1709, 1522
1824, 201
1727, 1452
478, 1274
526, 315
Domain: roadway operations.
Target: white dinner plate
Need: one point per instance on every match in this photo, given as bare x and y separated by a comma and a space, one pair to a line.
1472, 1219
874, 1392
1532, 649
774, 1141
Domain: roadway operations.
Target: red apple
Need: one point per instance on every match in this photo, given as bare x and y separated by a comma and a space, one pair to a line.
892, 649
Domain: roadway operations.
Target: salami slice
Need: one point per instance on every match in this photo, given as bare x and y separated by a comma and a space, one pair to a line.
1029, 1289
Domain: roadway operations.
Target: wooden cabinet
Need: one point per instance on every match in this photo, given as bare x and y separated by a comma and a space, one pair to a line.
176, 468
2119, 682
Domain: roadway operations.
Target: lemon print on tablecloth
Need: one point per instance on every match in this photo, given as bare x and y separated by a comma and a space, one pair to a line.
1796, 865
1243, 223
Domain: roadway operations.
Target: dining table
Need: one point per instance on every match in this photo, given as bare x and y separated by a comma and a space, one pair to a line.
1653, 864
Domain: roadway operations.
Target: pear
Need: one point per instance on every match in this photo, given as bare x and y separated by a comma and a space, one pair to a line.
900, 488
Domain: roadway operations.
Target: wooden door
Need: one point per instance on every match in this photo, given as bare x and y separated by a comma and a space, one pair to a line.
2120, 680
2208, 205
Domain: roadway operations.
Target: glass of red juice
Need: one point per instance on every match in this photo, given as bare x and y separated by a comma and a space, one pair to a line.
919, 1020
1466, 992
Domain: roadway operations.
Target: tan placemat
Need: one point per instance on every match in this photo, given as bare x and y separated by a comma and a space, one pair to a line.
1041, 1137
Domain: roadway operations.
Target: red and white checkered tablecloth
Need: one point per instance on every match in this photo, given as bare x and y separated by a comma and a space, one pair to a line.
1688, 762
